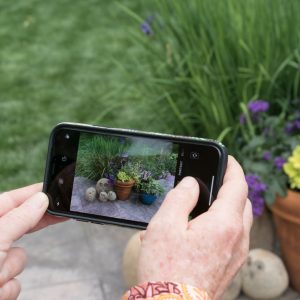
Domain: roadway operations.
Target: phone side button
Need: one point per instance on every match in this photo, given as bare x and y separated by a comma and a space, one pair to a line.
98, 223
81, 220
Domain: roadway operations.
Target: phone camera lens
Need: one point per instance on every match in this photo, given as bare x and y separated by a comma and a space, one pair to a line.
64, 158
194, 155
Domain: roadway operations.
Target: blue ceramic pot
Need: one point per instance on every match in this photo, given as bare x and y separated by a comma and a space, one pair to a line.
147, 198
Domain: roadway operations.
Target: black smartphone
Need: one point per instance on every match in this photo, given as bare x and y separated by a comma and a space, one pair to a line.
120, 176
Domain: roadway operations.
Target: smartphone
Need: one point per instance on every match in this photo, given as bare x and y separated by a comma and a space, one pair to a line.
120, 176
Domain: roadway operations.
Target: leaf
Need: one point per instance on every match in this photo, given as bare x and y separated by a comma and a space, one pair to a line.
270, 197
275, 187
257, 168
256, 142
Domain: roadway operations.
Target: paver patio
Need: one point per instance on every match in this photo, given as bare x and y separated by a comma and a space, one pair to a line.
76, 260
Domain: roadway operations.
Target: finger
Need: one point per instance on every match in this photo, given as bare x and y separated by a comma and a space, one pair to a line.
11, 290
179, 203
10, 200
48, 220
22, 219
234, 192
13, 265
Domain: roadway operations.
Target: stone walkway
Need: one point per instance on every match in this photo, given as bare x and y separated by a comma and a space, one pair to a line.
76, 260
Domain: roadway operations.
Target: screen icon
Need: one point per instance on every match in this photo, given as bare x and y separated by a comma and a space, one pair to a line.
194, 155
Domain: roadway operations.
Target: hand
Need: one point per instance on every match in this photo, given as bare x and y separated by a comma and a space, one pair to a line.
207, 251
21, 211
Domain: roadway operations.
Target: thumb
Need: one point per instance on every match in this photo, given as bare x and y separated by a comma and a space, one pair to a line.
179, 203
22, 219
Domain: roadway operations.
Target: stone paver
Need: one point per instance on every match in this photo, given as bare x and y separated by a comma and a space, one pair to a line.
74, 260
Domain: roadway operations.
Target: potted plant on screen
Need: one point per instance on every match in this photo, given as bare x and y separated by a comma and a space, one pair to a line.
127, 177
123, 185
150, 190
269, 149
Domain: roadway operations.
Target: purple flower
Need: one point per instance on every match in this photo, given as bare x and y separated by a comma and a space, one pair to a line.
293, 126
266, 155
258, 106
289, 127
256, 193
279, 161
111, 179
146, 28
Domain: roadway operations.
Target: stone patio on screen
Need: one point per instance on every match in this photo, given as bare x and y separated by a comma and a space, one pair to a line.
131, 209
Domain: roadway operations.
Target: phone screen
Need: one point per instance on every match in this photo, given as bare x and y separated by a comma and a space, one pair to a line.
124, 178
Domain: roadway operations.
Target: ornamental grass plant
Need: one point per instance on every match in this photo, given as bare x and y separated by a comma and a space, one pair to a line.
200, 59
98, 155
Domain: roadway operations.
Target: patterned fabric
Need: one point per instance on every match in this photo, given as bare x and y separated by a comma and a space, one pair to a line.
164, 291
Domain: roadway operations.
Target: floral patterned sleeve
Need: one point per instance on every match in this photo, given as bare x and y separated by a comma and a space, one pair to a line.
164, 291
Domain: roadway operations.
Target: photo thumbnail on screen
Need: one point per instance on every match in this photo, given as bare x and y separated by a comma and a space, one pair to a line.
123, 177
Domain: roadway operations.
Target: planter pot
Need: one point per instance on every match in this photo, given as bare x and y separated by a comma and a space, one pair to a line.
123, 189
286, 213
148, 198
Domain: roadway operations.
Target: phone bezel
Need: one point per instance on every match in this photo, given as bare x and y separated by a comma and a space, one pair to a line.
118, 131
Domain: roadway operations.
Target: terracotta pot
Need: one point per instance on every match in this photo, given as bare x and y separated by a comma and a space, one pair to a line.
123, 189
286, 213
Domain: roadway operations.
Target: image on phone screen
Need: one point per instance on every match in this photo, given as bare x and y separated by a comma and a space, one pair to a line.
147, 166
125, 177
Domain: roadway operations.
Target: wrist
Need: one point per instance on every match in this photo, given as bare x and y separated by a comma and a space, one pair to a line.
153, 290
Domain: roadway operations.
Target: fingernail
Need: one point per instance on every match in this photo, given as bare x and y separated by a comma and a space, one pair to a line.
39, 200
187, 182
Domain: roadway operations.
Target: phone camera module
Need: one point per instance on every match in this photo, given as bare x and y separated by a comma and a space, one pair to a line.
194, 155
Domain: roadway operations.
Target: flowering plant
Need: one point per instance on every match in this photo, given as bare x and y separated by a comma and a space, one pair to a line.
267, 139
292, 169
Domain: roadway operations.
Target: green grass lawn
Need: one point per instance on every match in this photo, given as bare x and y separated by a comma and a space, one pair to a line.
57, 63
